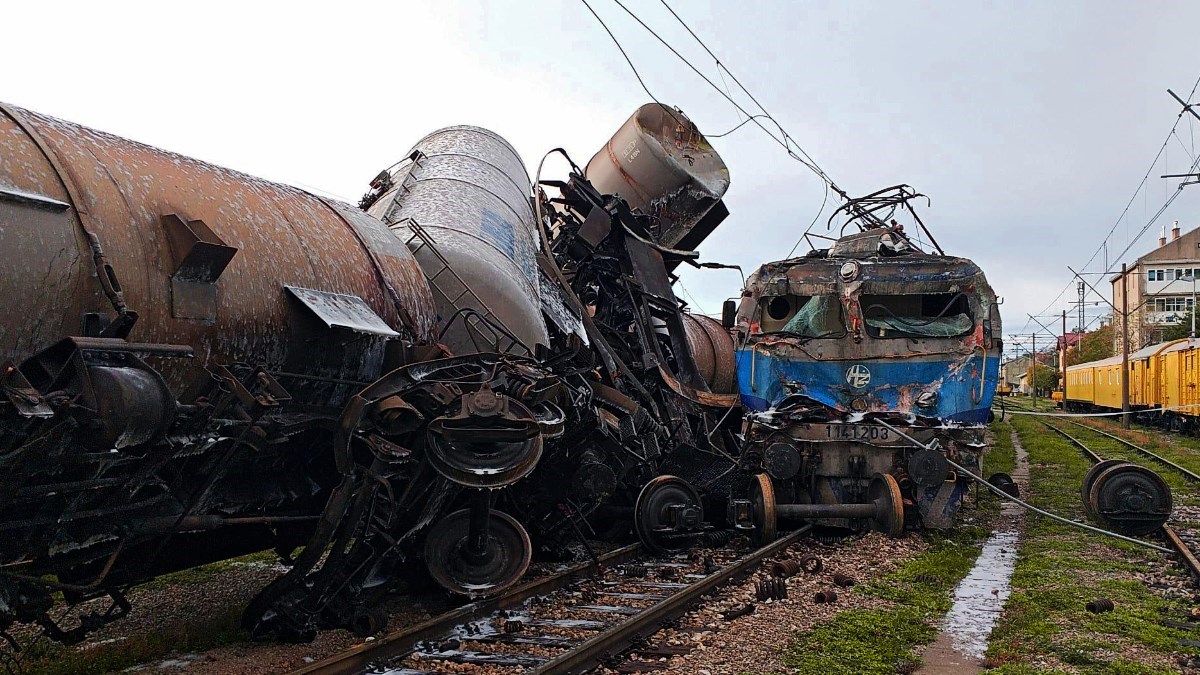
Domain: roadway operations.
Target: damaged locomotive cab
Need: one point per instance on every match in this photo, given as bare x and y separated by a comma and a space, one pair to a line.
917, 315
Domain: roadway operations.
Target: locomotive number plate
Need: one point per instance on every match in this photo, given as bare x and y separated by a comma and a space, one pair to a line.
873, 434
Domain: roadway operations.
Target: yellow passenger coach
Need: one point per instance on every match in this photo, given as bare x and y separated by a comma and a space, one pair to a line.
1164, 385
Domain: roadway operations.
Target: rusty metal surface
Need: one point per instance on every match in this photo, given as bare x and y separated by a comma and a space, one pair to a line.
1185, 553
695, 395
468, 189
120, 192
712, 348
661, 164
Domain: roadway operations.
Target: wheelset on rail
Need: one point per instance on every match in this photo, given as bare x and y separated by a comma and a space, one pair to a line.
1126, 497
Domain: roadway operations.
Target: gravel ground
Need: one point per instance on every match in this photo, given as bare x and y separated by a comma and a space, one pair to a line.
195, 605
755, 643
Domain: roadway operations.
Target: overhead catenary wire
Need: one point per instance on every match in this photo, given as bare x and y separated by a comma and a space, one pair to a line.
629, 61
1125, 212
787, 138
1145, 228
784, 140
721, 66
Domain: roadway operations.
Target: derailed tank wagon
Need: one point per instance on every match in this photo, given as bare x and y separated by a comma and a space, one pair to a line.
188, 357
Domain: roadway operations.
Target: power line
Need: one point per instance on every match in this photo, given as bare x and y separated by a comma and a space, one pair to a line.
1129, 204
1158, 214
786, 142
633, 67
739, 126
787, 139
721, 66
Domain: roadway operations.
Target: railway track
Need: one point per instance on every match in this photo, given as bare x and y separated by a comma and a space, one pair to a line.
1177, 540
1190, 475
569, 622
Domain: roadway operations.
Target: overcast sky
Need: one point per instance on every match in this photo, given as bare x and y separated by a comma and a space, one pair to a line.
1029, 124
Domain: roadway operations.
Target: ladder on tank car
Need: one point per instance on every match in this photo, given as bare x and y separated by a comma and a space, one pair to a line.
485, 329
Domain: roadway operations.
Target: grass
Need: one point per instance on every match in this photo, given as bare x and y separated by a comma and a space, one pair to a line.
1002, 456
204, 574
1060, 568
862, 642
48, 658
216, 628
882, 640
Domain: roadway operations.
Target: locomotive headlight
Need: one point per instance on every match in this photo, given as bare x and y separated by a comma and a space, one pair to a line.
927, 399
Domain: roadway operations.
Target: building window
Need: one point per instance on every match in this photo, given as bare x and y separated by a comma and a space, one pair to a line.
1150, 275
1173, 304
1178, 304
1158, 275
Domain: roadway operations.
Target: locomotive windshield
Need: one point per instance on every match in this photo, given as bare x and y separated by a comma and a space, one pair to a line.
920, 315
805, 316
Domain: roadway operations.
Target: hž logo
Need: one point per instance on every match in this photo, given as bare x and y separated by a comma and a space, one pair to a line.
858, 376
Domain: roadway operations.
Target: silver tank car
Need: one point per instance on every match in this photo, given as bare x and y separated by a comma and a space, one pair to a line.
461, 201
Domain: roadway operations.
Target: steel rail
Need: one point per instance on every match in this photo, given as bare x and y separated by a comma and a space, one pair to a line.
649, 621
359, 658
1186, 472
1086, 450
1179, 546
1185, 553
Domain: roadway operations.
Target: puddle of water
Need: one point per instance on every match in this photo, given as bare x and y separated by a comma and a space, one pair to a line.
980, 597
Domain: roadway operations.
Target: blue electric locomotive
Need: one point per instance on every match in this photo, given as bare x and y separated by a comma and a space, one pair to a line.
850, 354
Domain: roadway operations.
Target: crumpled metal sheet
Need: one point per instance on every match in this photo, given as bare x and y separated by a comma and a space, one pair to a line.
342, 311
557, 306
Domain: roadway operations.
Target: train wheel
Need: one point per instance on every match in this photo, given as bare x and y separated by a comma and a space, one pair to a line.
667, 506
1089, 479
762, 505
885, 493
1131, 499
1005, 484
511, 451
480, 571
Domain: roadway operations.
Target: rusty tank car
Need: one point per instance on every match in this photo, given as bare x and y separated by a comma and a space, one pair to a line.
211, 364
200, 364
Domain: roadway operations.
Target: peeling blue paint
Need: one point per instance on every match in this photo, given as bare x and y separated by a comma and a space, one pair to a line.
826, 382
